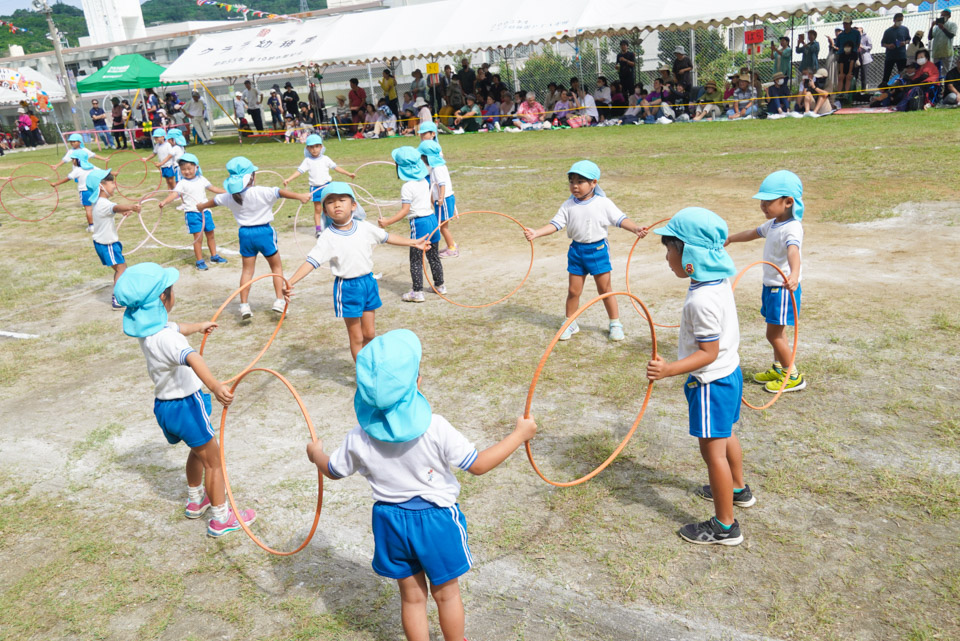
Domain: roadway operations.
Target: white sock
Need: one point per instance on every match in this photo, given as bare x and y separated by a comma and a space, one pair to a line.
220, 512
195, 494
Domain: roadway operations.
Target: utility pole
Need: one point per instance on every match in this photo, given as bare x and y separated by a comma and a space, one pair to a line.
43, 7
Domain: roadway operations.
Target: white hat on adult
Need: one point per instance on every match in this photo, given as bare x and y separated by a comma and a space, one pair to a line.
419, 102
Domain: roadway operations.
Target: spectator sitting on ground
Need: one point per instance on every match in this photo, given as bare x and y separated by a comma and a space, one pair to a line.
752, 78
893, 91
561, 110
651, 104
483, 84
744, 103
370, 118
679, 99
575, 89
708, 105
952, 84
530, 113
926, 72
290, 129
617, 100
386, 124
423, 110
730, 86
496, 86
409, 123
589, 111
634, 112
468, 118
507, 107
778, 104
305, 116
602, 97
553, 94
665, 75
342, 113
814, 97
407, 102
491, 111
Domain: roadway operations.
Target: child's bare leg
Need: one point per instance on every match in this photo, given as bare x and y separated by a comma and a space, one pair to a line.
573, 293
211, 242
781, 349
88, 210
714, 453
447, 236
208, 455
247, 267
413, 607
369, 327
450, 609
317, 214
355, 334
604, 285
171, 183
735, 460
198, 246
276, 266
117, 270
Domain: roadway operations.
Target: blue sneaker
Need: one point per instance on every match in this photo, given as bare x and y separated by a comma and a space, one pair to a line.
217, 258
616, 330
114, 303
202, 265
570, 331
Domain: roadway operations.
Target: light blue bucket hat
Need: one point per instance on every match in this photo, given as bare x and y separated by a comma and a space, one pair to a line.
427, 127
238, 168
703, 234
313, 139
83, 157
783, 183
589, 170
76, 138
138, 289
388, 404
336, 187
191, 158
431, 149
177, 136
159, 132
93, 180
409, 165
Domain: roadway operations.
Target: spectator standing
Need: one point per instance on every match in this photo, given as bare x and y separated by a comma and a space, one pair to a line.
941, 41
419, 86
240, 111
866, 46
782, 57
952, 85
196, 112
497, 87
291, 100
99, 118
894, 41
627, 67
357, 98
832, 55
423, 111
484, 84
809, 51
253, 99
276, 110
23, 127
388, 85
848, 42
683, 68
317, 105
456, 96
116, 124
468, 77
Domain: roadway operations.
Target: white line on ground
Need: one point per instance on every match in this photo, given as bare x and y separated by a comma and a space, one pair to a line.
17, 335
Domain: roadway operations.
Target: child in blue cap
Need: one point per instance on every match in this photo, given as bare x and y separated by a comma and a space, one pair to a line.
74, 143
178, 372
163, 149
81, 168
781, 201
441, 192
586, 215
101, 185
192, 188
405, 452
252, 207
416, 206
707, 353
317, 165
347, 244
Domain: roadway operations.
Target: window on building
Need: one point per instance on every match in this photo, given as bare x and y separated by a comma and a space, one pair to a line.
149, 55
98, 64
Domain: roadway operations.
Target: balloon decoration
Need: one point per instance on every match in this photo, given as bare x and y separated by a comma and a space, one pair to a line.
32, 90
12, 27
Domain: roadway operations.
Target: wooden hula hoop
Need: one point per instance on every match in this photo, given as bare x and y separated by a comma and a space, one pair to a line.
796, 332
10, 180
226, 478
500, 300
629, 259
539, 370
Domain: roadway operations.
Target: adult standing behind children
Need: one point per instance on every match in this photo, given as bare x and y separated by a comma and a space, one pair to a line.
253, 98
291, 100
894, 40
809, 51
941, 40
196, 112
627, 67
357, 98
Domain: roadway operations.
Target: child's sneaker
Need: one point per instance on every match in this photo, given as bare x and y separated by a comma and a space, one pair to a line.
442, 290
245, 311
743, 498
217, 529
279, 305
217, 258
710, 532
616, 331
570, 331
773, 374
194, 510
795, 383
89, 229
202, 265
114, 303
450, 252
413, 297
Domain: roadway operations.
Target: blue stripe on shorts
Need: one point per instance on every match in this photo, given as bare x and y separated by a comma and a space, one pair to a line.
423, 225
776, 306
185, 419
196, 224
354, 296
258, 239
111, 254
714, 407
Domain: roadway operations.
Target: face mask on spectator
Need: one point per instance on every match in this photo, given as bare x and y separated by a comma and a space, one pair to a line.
921, 61
779, 81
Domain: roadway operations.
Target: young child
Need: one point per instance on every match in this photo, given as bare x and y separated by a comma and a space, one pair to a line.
781, 201
428, 131
317, 165
75, 142
707, 351
181, 408
163, 150
252, 206
81, 167
347, 244
441, 192
405, 452
192, 189
415, 205
290, 129
101, 184
177, 148
586, 215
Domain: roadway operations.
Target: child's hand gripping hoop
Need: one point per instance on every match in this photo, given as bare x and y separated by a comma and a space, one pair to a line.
796, 331
499, 300
373, 201
629, 259
646, 399
9, 183
226, 478
272, 336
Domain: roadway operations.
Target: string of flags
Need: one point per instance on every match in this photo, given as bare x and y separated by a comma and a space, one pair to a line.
240, 8
12, 27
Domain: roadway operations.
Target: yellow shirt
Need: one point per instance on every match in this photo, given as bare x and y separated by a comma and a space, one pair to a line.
389, 86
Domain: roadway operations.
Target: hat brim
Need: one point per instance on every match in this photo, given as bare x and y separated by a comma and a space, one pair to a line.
403, 422
766, 195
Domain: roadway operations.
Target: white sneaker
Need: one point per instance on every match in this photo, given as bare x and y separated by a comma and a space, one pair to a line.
279, 305
413, 297
245, 311
570, 331
663, 120
378, 276
442, 289
795, 114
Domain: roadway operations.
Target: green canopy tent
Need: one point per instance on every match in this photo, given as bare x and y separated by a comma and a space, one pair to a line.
129, 71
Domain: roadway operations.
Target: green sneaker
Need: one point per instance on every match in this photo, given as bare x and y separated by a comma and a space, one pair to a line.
794, 384
772, 375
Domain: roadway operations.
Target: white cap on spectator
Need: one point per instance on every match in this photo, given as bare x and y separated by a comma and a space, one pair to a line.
680, 49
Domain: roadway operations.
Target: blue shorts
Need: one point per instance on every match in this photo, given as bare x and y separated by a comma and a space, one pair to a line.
111, 254
315, 192
420, 227
776, 306
714, 407
85, 198
354, 296
447, 209
258, 239
196, 223
168, 172
185, 419
432, 540
588, 258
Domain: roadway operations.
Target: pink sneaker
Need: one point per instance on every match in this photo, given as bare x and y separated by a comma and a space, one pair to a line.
217, 529
194, 511
450, 253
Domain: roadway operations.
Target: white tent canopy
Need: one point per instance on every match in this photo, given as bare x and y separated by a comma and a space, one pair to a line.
459, 26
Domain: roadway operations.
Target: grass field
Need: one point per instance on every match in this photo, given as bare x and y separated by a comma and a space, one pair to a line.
856, 533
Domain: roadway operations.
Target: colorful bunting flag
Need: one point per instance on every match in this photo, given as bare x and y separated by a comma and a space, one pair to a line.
13, 28
240, 8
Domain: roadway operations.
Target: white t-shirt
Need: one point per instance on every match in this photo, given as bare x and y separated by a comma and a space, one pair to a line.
350, 251
416, 193
710, 314
779, 236
79, 176
440, 176
587, 220
104, 226
257, 207
193, 191
318, 169
177, 151
590, 107
163, 150
398, 472
239, 108
253, 98
195, 108
67, 159
166, 353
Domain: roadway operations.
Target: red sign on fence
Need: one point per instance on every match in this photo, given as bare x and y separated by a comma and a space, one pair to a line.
754, 37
